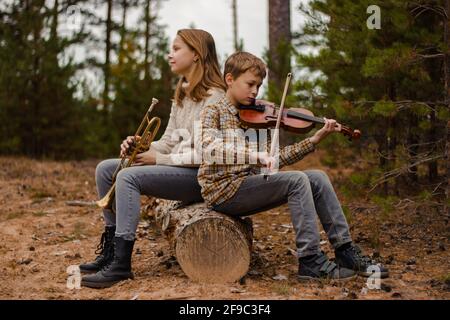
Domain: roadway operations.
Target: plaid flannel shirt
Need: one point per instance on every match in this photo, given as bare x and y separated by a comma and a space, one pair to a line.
226, 150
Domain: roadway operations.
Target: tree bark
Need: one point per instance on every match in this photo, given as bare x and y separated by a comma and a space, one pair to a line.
147, 39
413, 147
447, 99
54, 25
279, 34
123, 31
279, 62
106, 67
235, 26
432, 138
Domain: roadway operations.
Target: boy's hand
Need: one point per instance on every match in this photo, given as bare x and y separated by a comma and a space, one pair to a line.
265, 159
330, 126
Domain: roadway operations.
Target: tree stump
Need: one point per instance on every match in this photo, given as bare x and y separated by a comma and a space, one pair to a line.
209, 246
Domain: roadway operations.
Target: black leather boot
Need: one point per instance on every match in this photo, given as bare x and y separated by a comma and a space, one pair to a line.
118, 270
105, 251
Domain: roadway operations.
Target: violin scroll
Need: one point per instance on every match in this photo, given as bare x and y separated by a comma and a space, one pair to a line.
350, 133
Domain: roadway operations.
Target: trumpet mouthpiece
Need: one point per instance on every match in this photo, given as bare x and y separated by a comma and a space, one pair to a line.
150, 109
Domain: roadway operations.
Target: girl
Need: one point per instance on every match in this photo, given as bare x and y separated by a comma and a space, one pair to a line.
155, 172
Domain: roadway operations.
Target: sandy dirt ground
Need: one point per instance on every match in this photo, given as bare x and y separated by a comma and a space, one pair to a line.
41, 237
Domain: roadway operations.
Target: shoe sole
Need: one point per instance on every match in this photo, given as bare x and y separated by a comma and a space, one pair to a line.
316, 279
89, 271
104, 284
99, 285
363, 274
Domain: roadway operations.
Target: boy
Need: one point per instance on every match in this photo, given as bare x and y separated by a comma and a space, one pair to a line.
237, 188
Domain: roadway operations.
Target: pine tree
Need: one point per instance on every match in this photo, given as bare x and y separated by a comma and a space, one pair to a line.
388, 82
38, 106
137, 78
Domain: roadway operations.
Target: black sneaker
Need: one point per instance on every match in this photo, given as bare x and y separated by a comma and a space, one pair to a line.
352, 258
318, 267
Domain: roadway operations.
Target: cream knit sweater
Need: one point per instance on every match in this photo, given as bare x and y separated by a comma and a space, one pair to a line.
176, 146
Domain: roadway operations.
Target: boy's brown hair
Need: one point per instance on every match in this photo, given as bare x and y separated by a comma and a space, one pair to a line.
240, 62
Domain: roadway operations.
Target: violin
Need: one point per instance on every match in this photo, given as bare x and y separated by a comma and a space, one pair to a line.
297, 120
294, 119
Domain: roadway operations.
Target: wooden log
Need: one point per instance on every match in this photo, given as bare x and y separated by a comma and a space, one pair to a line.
209, 246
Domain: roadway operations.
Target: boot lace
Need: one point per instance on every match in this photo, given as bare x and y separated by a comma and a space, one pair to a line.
101, 246
362, 259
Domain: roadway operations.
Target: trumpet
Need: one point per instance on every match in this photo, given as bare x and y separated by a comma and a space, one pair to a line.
142, 140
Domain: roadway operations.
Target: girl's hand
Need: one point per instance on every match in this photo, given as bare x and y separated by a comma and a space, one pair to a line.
145, 158
330, 126
127, 144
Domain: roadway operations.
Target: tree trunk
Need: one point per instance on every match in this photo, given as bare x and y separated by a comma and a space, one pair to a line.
39, 146
106, 67
235, 26
54, 25
123, 32
447, 99
210, 247
392, 140
382, 142
279, 62
147, 39
413, 148
432, 138
279, 37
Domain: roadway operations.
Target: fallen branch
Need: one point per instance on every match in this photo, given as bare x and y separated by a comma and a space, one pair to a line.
79, 203
399, 171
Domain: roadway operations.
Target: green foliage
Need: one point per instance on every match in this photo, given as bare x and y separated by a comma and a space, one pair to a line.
280, 67
380, 62
348, 214
443, 113
386, 204
329, 161
425, 195
134, 93
47, 108
386, 82
425, 125
445, 278
359, 179
385, 109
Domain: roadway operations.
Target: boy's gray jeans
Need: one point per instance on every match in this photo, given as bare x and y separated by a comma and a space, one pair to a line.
307, 193
167, 182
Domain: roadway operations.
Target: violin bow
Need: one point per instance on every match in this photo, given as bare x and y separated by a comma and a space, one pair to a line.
276, 133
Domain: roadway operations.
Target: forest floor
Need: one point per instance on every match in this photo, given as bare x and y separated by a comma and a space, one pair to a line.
40, 237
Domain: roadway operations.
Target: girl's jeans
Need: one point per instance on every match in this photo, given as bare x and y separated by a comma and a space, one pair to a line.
167, 182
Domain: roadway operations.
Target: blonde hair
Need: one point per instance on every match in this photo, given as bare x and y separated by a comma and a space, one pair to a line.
205, 73
240, 62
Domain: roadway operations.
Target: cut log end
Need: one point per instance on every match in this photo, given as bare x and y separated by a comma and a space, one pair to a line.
214, 249
210, 246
